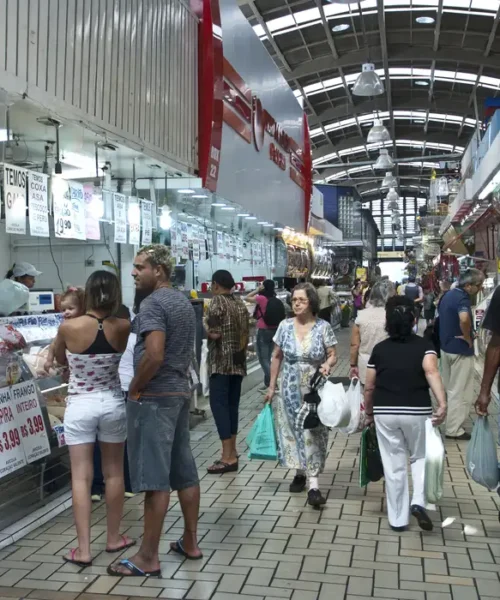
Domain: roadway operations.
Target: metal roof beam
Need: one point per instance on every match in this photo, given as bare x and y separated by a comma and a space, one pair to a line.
437, 29
264, 26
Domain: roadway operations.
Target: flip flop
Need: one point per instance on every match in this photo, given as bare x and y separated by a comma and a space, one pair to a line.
73, 561
178, 547
123, 547
134, 570
222, 467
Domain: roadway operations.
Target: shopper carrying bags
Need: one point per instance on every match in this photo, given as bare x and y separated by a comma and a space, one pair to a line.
400, 372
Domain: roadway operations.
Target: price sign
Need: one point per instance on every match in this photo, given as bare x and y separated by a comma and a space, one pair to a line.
173, 239
184, 241
210, 242
77, 210
134, 222
15, 182
30, 421
11, 448
220, 244
63, 215
147, 222
120, 212
38, 204
93, 205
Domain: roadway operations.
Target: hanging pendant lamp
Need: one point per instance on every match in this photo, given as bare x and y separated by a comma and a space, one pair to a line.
389, 181
368, 82
384, 161
378, 133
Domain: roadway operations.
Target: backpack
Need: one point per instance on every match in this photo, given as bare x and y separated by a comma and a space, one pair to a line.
412, 292
275, 313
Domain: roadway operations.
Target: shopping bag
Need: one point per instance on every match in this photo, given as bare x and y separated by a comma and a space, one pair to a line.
204, 369
262, 436
356, 406
370, 461
481, 457
334, 410
434, 463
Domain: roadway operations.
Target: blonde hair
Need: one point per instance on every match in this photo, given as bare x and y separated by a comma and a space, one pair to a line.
78, 294
159, 255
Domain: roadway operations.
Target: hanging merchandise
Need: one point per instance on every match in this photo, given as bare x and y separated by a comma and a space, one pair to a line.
15, 188
147, 222
120, 215
38, 204
92, 210
184, 241
78, 210
134, 222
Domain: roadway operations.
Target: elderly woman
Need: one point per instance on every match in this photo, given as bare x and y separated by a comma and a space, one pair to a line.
303, 344
369, 328
400, 372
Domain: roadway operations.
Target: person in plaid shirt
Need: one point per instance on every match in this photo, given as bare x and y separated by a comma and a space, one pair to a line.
227, 325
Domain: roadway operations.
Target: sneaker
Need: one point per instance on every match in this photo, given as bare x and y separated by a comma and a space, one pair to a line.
424, 521
129, 494
314, 498
96, 497
465, 437
298, 484
399, 529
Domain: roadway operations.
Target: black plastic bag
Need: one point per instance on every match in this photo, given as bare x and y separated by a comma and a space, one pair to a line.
370, 461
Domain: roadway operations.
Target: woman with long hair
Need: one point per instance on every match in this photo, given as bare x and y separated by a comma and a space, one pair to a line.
303, 345
91, 346
400, 372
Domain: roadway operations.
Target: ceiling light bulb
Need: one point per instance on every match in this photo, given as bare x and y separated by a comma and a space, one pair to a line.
378, 133
341, 27
425, 20
422, 82
384, 161
165, 219
389, 181
368, 82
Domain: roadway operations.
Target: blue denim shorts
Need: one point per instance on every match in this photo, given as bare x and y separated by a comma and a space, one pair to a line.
158, 444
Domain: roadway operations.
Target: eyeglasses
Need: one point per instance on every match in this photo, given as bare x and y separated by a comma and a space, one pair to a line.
299, 301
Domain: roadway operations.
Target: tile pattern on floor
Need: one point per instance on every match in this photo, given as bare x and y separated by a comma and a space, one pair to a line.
259, 542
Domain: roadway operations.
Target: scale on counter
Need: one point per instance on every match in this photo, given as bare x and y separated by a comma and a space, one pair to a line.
40, 302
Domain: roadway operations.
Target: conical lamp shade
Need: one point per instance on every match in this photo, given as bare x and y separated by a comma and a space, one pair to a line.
384, 161
392, 196
389, 180
378, 133
368, 82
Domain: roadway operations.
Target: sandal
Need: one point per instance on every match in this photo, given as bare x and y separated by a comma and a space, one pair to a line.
124, 546
219, 467
134, 570
178, 547
73, 561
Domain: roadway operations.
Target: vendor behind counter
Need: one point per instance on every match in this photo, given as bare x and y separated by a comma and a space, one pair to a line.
14, 289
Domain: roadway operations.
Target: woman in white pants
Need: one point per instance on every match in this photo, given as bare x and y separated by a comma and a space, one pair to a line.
400, 371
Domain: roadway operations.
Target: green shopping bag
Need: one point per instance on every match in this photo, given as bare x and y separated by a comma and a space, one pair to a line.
370, 462
262, 438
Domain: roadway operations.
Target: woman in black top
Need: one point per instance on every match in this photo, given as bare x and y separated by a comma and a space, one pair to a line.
400, 371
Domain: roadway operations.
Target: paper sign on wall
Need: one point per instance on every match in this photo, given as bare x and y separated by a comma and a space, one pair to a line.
15, 193
38, 204
78, 210
29, 418
120, 213
11, 449
92, 228
147, 222
134, 222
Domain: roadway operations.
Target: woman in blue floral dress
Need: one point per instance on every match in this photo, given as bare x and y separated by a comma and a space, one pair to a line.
302, 345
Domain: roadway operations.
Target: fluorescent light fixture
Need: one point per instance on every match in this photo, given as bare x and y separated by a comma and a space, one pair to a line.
262, 223
278, 229
218, 204
422, 82
341, 27
3, 135
199, 196
384, 161
368, 82
389, 181
378, 133
425, 20
268, 225
243, 215
185, 191
165, 219
228, 208
420, 121
251, 218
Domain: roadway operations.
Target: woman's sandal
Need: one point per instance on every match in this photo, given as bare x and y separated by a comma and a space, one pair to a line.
178, 548
134, 570
73, 561
219, 467
124, 546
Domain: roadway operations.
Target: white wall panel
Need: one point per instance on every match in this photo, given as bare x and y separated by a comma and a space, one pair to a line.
127, 66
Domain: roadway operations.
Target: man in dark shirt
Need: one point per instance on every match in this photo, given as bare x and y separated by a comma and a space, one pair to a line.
159, 447
457, 350
491, 322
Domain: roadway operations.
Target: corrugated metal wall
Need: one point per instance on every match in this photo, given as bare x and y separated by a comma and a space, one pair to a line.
131, 64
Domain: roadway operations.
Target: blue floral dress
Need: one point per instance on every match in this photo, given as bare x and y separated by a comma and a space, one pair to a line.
304, 449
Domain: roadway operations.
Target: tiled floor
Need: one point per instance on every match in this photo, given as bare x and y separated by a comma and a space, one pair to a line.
259, 542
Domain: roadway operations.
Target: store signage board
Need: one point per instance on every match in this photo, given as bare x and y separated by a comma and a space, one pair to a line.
38, 204
92, 228
390, 254
134, 222
30, 421
120, 215
15, 181
11, 449
78, 210
147, 222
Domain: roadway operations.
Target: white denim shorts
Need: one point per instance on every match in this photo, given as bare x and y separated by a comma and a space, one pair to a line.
100, 415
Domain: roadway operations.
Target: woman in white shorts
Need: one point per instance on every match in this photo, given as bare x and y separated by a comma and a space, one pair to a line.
92, 346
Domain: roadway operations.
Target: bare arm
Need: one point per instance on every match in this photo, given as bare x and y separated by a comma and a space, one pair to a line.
354, 352
491, 366
430, 365
465, 327
251, 296
371, 377
330, 362
149, 363
276, 360
50, 357
60, 346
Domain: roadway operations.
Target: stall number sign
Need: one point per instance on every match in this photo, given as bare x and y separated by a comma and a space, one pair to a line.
15, 182
120, 213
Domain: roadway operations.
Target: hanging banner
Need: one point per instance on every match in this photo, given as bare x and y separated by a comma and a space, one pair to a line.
29, 418
38, 204
134, 222
11, 449
120, 213
92, 228
147, 222
78, 210
15, 194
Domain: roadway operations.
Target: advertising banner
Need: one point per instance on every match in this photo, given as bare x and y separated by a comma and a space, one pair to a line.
120, 212
15, 181
38, 204
147, 222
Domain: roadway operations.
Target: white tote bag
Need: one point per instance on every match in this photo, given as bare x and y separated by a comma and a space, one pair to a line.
355, 400
334, 410
434, 464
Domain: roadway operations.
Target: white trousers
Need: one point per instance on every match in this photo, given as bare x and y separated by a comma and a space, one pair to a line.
398, 436
458, 379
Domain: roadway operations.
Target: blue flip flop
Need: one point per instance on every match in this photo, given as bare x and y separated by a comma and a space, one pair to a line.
178, 548
134, 570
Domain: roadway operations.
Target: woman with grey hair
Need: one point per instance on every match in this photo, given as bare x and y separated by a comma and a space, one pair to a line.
369, 328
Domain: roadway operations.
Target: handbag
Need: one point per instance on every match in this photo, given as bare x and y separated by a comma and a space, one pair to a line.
307, 416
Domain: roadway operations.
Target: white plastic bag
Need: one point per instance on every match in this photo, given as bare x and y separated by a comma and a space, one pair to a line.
434, 464
355, 400
481, 457
13, 295
334, 410
204, 369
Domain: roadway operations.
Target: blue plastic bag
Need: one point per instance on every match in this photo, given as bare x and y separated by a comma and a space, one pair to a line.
262, 438
481, 457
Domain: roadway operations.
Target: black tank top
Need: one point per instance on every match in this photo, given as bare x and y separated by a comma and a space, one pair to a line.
100, 345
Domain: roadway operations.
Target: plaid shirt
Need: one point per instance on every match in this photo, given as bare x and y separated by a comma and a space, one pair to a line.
228, 316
